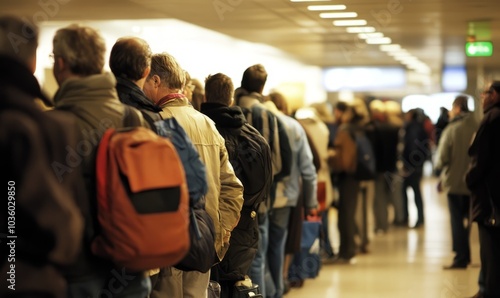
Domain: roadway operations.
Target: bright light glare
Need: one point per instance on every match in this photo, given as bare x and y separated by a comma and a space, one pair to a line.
382, 40
350, 23
325, 7
337, 15
360, 29
390, 48
370, 35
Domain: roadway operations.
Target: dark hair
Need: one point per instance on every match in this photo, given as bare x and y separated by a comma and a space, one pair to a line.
129, 58
254, 78
25, 34
341, 106
461, 102
219, 88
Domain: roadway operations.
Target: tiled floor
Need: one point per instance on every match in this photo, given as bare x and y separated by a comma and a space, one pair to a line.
402, 263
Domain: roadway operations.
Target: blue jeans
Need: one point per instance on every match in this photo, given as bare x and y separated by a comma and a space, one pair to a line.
278, 231
117, 284
257, 271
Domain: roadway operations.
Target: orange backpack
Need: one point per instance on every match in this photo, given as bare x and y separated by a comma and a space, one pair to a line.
142, 200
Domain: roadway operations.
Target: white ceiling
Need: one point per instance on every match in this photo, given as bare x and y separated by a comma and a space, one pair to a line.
432, 30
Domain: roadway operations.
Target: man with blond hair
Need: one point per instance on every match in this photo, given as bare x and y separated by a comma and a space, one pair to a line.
90, 95
224, 198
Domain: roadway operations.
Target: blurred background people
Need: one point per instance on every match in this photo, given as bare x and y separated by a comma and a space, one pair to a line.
416, 151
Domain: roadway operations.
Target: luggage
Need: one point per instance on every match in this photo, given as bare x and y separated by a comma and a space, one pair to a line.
307, 263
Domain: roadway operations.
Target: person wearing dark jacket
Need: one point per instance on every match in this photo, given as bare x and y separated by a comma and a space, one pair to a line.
249, 97
386, 138
130, 62
482, 181
45, 226
416, 151
233, 127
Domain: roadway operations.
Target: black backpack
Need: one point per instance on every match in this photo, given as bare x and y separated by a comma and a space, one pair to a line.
252, 163
365, 164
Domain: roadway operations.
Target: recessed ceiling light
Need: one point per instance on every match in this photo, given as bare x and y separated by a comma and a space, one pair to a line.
370, 35
325, 7
378, 40
390, 48
350, 23
337, 15
360, 29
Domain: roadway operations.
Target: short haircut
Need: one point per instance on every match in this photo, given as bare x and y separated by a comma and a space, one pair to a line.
279, 101
82, 48
254, 78
168, 69
219, 89
18, 38
461, 102
130, 57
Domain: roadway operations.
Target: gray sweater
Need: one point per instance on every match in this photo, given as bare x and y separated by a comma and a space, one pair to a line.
452, 157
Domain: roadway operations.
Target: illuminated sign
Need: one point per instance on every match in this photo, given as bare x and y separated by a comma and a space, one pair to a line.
479, 49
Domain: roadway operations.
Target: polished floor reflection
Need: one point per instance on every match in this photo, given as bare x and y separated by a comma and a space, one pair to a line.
402, 263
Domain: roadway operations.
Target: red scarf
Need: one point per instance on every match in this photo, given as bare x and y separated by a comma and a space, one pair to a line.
164, 100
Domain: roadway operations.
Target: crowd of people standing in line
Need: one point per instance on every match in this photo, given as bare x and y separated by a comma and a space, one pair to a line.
310, 166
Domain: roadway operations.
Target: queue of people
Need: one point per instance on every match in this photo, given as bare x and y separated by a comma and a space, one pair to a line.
268, 169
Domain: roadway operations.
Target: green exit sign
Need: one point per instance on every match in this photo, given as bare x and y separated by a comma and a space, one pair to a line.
479, 49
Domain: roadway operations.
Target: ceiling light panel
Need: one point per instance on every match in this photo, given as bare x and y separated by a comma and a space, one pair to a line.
360, 29
379, 40
349, 23
325, 7
370, 35
337, 15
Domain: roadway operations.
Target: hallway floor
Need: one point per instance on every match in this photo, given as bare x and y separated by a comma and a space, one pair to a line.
403, 263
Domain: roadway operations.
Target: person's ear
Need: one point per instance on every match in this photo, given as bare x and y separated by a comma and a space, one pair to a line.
156, 81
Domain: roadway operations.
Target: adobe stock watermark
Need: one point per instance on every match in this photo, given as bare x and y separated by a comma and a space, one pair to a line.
48, 9
382, 18
84, 148
221, 7
120, 281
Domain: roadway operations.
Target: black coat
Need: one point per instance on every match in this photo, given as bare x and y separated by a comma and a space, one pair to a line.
48, 223
230, 123
484, 172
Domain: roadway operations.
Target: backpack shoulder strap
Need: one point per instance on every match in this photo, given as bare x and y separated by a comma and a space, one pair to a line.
131, 118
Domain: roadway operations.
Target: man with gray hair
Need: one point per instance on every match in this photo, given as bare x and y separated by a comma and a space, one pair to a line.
90, 95
453, 162
42, 213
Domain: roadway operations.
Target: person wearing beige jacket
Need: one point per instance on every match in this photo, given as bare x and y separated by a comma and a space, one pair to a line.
224, 198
